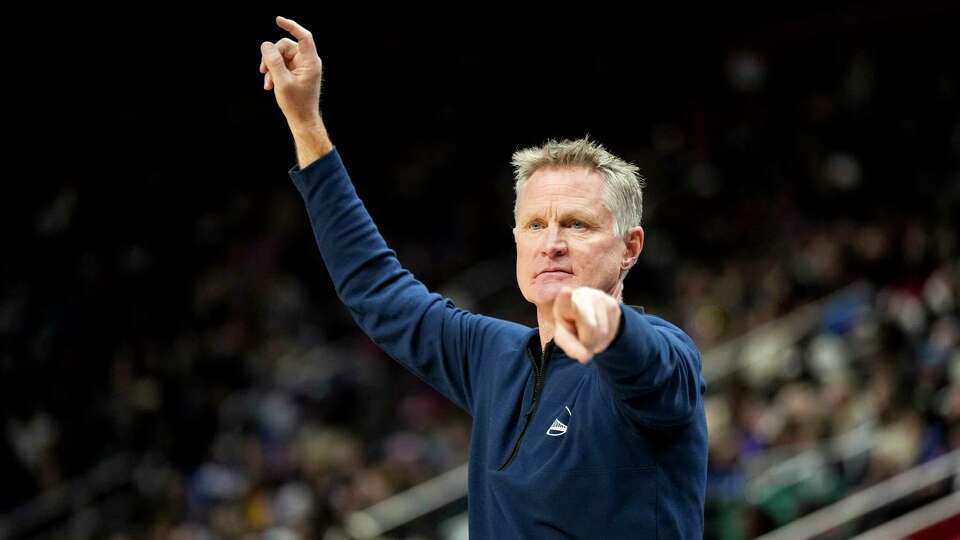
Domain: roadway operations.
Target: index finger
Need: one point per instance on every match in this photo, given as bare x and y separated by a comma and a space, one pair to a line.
299, 32
563, 304
586, 306
564, 338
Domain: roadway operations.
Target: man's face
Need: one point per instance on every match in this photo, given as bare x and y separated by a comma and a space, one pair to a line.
565, 236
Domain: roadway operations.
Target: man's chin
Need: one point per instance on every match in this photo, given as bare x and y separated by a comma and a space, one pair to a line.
548, 292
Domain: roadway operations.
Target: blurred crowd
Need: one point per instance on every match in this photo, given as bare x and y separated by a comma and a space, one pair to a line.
870, 391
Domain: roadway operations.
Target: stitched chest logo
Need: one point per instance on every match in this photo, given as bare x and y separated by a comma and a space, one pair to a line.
559, 428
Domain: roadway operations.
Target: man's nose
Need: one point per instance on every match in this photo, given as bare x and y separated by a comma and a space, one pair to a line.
553, 244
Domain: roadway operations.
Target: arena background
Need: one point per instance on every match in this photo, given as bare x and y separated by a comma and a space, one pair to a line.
174, 362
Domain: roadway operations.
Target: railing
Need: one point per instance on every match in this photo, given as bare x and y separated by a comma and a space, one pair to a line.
110, 475
873, 498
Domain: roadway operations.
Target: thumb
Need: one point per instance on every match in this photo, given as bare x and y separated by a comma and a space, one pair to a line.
274, 61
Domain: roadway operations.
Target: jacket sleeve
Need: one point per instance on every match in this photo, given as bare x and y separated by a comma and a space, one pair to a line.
424, 331
652, 370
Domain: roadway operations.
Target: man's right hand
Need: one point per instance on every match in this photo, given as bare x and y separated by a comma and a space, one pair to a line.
292, 69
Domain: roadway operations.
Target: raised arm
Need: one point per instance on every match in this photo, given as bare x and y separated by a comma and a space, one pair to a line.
424, 331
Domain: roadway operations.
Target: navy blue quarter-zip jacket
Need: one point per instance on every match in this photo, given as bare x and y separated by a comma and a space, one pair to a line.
615, 448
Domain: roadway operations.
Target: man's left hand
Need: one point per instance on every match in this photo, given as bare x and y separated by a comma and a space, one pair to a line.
586, 321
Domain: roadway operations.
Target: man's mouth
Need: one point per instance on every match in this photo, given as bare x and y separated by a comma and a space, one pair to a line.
554, 271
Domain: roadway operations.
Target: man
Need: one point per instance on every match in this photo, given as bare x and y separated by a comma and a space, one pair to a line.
589, 426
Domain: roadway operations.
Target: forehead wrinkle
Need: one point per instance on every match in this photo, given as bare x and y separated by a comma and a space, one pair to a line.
554, 191
566, 209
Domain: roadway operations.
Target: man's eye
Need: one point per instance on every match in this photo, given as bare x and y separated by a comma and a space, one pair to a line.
536, 226
576, 224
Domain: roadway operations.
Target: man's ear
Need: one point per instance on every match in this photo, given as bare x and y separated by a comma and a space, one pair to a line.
634, 243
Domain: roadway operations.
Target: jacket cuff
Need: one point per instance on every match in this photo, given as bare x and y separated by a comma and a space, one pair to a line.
317, 170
